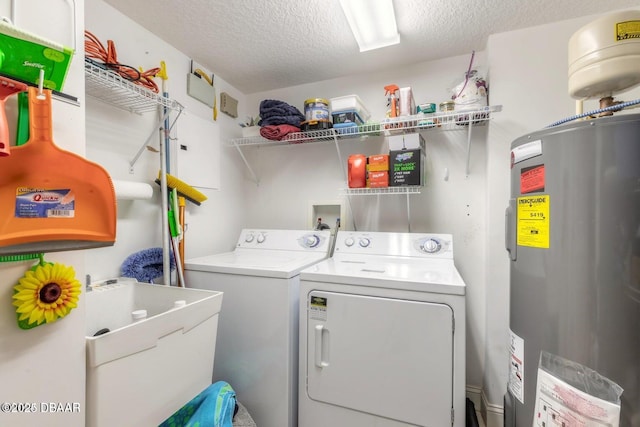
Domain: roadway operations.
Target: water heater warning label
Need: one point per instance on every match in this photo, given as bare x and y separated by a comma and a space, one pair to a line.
532, 179
533, 221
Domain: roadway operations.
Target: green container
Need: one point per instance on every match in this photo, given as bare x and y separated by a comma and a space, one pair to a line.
23, 55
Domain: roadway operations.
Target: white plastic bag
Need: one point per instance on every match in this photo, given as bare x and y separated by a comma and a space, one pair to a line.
471, 93
569, 394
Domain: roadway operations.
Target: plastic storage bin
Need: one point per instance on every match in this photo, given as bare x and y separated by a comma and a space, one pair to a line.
347, 117
139, 373
350, 103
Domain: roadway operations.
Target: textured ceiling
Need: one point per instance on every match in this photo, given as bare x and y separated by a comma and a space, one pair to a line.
262, 45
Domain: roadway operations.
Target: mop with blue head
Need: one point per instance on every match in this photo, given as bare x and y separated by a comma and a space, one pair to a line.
145, 265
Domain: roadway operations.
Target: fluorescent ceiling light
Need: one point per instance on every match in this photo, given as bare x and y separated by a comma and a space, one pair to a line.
372, 22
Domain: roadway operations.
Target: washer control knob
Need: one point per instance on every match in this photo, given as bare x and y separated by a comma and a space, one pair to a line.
261, 238
349, 241
364, 242
431, 246
311, 241
249, 238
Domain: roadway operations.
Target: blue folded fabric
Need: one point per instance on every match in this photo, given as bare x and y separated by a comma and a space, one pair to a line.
213, 407
274, 112
281, 120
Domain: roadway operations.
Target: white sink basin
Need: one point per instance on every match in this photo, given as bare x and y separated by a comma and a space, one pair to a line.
140, 373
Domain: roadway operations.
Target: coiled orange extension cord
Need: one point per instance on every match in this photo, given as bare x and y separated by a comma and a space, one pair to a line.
94, 49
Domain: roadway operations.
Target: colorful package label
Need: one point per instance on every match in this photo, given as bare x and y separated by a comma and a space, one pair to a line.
44, 203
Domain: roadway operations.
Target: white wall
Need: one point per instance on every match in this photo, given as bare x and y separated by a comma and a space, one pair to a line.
294, 176
46, 364
528, 74
114, 137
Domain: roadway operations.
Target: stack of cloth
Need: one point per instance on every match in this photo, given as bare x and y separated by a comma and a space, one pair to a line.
278, 119
214, 407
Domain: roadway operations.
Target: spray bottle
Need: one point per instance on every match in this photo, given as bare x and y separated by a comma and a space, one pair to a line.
392, 100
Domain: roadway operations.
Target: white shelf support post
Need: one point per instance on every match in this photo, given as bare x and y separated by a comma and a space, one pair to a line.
468, 147
246, 163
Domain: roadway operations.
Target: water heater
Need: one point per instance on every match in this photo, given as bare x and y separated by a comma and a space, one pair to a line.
604, 56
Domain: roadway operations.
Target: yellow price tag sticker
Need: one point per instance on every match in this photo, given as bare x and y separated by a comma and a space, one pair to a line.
533, 221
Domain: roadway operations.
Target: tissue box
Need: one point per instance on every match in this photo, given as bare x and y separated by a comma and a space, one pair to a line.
406, 167
408, 141
379, 162
377, 179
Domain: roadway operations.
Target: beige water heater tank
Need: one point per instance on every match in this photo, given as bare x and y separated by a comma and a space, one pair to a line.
604, 56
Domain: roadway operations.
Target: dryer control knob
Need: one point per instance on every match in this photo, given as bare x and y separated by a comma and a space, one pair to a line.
364, 242
261, 238
311, 241
248, 238
431, 246
349, 241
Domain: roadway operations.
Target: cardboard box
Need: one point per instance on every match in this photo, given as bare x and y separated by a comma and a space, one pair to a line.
378, 162
406, 167
378, 179
408, 141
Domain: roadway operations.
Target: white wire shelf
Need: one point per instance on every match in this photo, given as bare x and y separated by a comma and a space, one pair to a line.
113, 89
453, 120
414, 189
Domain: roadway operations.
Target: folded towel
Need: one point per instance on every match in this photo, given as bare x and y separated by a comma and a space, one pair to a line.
282, 120
277, 132
274, 112
213, 407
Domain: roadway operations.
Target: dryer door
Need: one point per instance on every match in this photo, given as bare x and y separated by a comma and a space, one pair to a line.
387, 357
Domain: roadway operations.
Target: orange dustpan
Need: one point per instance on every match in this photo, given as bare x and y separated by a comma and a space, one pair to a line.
52, 199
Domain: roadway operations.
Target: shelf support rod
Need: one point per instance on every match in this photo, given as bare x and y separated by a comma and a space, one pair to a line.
146, 142
346, 178
246, 163
468, 146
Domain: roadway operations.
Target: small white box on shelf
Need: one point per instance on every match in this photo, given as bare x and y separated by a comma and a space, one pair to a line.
350, 103
407, 141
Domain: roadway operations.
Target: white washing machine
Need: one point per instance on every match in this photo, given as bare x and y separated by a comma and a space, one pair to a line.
257, 344
382, 334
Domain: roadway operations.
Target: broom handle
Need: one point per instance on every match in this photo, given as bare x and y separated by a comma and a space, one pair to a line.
182, 203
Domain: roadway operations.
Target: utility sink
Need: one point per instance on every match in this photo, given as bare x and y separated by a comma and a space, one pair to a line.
141, 372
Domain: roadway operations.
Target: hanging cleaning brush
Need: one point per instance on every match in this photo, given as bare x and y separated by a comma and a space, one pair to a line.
184, 189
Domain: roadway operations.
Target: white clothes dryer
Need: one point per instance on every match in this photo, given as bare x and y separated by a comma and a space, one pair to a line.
382, 334
257, 344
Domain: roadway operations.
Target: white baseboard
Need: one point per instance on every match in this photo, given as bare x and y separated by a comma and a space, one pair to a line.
493, 414
475, 395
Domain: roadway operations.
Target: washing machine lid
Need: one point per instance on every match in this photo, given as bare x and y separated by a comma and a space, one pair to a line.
415, 274
267, 263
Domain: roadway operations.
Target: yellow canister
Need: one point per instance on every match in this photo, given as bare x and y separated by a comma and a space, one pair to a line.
316, 109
